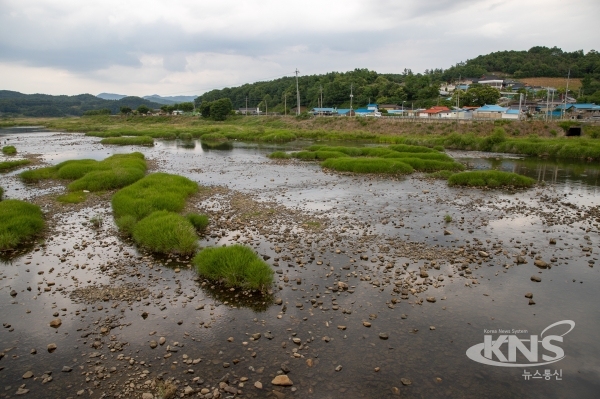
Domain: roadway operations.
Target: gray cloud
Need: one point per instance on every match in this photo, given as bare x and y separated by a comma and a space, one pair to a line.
138, 43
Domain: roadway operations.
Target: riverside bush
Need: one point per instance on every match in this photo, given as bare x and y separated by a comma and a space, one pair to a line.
113, 172
20, 222
234, 266
490, 178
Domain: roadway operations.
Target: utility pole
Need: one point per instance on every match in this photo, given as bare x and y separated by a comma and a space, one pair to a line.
351, 96
552, 101
246, 110
520, 98
566, 94
321, 89
266, 108
547, 102
297, 94
285, 103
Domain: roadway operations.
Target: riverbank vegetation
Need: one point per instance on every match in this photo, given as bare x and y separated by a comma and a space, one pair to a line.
234, 266
116, 171
126, 140
536, 138
491, 179
148, 211
9, 150
6, 166
21, 221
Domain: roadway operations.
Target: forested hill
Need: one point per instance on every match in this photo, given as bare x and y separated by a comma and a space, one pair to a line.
413, 89
535, 62
13, 103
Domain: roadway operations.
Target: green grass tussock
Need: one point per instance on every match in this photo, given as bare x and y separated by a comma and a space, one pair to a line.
410, 148
9, 150
20, 222
74, 197
427, 165
113, 172
234, 266
279, 155
6, 166
490, 178
305, 155
155, 192
129, 140
368, 165
166, 232
200, 222
440, 174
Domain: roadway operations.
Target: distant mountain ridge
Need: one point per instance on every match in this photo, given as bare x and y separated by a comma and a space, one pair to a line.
13, 103
165, 100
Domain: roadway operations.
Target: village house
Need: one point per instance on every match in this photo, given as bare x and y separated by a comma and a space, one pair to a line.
489, 112
433, 112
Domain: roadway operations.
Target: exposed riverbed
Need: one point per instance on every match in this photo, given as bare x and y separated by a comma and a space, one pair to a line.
376, 294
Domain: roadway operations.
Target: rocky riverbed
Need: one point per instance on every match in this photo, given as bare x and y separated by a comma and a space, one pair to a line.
381, 285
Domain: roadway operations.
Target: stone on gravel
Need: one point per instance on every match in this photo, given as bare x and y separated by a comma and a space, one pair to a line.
282, 380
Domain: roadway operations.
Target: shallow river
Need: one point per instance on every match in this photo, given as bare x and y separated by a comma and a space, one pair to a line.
392, 332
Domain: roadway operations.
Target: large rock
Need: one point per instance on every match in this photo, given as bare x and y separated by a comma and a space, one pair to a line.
282, 380
56, 323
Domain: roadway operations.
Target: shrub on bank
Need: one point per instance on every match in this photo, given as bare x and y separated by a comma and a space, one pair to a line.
166, 232
113, 172
129, 140
490, 178
367, 165
9, 150
9, 165
20, 221
235, 266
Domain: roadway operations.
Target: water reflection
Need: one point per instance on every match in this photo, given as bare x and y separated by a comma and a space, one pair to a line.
226, 146
254, 300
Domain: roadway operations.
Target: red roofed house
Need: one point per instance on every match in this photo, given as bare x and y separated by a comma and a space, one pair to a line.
433, 112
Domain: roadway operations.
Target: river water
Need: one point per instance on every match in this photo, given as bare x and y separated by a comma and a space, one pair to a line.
413, 347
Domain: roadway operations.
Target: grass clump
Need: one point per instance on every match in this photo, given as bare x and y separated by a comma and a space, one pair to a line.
279, 155
440, 174
447, 218
155, 192
234, 266
200, 222
129, 140
20, 222
9, 165
74, 197
166, 232
213, 137
368, 165
490, 178
305, 155
113, 172
9, 150
96, 221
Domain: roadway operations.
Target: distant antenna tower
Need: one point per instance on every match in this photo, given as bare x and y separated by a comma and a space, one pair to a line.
297, 94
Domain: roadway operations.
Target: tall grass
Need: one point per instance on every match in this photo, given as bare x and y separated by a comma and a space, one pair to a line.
5, 166
368, 165
129, 140
113, 172
9, 150
166, 232
279, 155
20, 222
234, 266
490, 178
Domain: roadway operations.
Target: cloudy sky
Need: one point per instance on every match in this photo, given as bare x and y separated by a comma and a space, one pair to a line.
186, 47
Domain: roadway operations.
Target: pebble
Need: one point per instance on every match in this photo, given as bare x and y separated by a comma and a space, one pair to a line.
529, 295
51, 347
27, 375
405, 381
282, 380
366, 324
383, 335
537, 279
431, 299
258, 385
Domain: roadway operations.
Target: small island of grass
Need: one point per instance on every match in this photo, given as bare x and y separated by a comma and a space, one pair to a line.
491, 179
234, 266
21, 221
9, 150
6, 166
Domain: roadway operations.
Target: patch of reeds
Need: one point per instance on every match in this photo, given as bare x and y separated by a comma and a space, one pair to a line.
6, 166
9, 150
200, 222
279, 155
234, 266
166, 232
116, 171
74, 197
20, 222
490, 178
129, 140
368, 165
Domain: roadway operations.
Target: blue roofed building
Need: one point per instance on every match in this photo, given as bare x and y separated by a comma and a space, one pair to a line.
489, 111
323, 111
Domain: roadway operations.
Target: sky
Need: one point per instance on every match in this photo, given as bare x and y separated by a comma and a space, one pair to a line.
186, 47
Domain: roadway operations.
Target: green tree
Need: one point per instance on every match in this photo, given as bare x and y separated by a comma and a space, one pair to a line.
143, 109
186, 107
482, 94
205, 109
220, 109
126, 110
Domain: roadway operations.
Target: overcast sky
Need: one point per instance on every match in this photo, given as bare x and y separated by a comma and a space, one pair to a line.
188, 47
